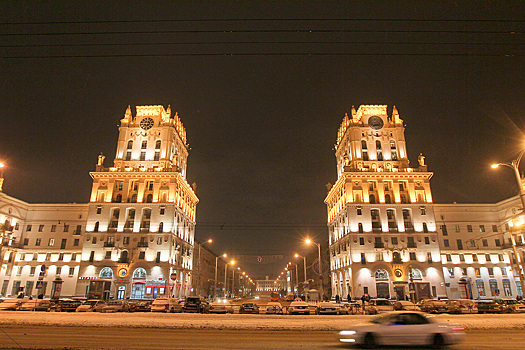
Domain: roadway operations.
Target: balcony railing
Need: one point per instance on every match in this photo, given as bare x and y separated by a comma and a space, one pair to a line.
379, 245
142, 244
109, 244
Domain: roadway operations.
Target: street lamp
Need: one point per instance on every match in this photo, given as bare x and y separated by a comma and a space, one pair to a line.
215, 284
199, 267
515, 166
516, 256
309, 241
1, 175
296, 277
304, 263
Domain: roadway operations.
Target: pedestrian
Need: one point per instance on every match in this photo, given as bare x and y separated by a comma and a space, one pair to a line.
337, 298
363, 298
348, 298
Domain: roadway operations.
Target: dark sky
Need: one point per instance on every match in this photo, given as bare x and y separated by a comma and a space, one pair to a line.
261, 89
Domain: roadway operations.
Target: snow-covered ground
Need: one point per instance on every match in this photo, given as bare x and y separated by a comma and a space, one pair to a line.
235, 321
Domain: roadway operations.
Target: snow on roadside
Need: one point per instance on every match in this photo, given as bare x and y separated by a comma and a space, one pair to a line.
237, 322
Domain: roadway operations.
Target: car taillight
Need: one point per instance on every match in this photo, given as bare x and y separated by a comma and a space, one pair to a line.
458, 329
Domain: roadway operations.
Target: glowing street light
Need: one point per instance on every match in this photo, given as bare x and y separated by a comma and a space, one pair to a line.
215, 284
309, 241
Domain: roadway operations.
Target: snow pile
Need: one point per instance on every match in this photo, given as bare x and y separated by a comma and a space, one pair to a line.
238, 322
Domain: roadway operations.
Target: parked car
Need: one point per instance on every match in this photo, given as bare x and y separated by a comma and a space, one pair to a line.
36, 305
249, 308
326, 308
196, 304
166, 305
66, 305
403, 305
93, 305
12, 304
343, 309
511, 305
221, 306
298, 307
432, 306
462, 306
274, 307
402, 328
116, 306
140, 306
382, 305
489, 306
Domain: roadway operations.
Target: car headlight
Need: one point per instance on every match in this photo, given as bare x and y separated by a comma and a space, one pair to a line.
347, 332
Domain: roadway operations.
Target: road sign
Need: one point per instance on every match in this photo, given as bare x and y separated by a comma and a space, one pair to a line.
39, 284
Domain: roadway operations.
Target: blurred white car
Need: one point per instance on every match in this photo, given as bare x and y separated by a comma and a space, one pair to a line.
274, 307
382, 305
403, 305
404, 328
93, 305
116, 306
298, 307
35, 305
12, 304
327, 308
166, 305
220, 306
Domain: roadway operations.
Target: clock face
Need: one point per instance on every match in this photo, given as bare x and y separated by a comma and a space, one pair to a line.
375, 122
398, 273
122, 272
146, 123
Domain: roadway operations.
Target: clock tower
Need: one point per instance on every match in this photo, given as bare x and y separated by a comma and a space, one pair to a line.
141, 219
382, 230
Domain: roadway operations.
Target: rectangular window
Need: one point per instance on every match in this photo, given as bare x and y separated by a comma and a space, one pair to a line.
423, 211
477, 271
427, 240
108, 254
504, 271
74, 257
460, 244
494, 228
449, 257
464, 271
487, 257
446, 243
412, 256
40, 228
462, 257
429, 257
394, 240
94, 240
157, 260
469, 228
76, 242
379, 256
71, 271
142, 255
444, 230
53, 228
51, 242
156, 156
61, 257
480, 285
481, 228
361, 241
48, 256
59, 270
411, 243
35, 256
66, 228
142, 155
92, 256
125, 240
28, 228
32, 271
128, 155
78, 230
491, 271
159, 240
501, 258
63, 243
162, 210
363, 258
456, 228
497, 242
18, 270
99, 210
472, 243
26, 241
485, 242
475, 257
450, 272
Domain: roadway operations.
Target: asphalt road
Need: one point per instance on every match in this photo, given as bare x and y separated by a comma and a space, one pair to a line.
54, 337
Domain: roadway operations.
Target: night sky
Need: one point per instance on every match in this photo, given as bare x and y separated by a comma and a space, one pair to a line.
261, 89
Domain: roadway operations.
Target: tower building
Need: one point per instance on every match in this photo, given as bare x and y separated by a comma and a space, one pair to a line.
141, 215
382, 230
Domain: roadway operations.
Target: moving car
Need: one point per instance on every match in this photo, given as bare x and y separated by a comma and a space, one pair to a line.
12, 304
249, 308
196, 304
298, 307
403, 305
489, 306
274, 296
274, 308
93, 305
221, 306
140, 306
432, 306
382, 305
326, 308
510, 305
462, 306
166, 305
66, 305
36, 305
402, 328
116, 306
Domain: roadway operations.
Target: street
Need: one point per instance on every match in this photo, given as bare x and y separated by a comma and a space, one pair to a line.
60, 337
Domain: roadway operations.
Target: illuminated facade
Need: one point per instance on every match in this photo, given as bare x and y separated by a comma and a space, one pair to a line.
141, 217
382, 230
266, 287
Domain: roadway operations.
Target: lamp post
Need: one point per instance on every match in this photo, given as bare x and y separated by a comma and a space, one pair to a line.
1, 175
225, 276
515, 166
304, 264
516, 256
216, 264
309, 241
199, 267
296, 277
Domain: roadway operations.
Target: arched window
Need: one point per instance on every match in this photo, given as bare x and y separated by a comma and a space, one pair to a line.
360, 227
420, 198
149, 198
161, 227
157, 144
124, 256
106, 272
388, 200
363, 144
425, 227
164, 197
416, 274
101, 197
378, 144
372, 199
357, 198
396, 257
95, 229
144, 144
381, 274
130, 144
139, 273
